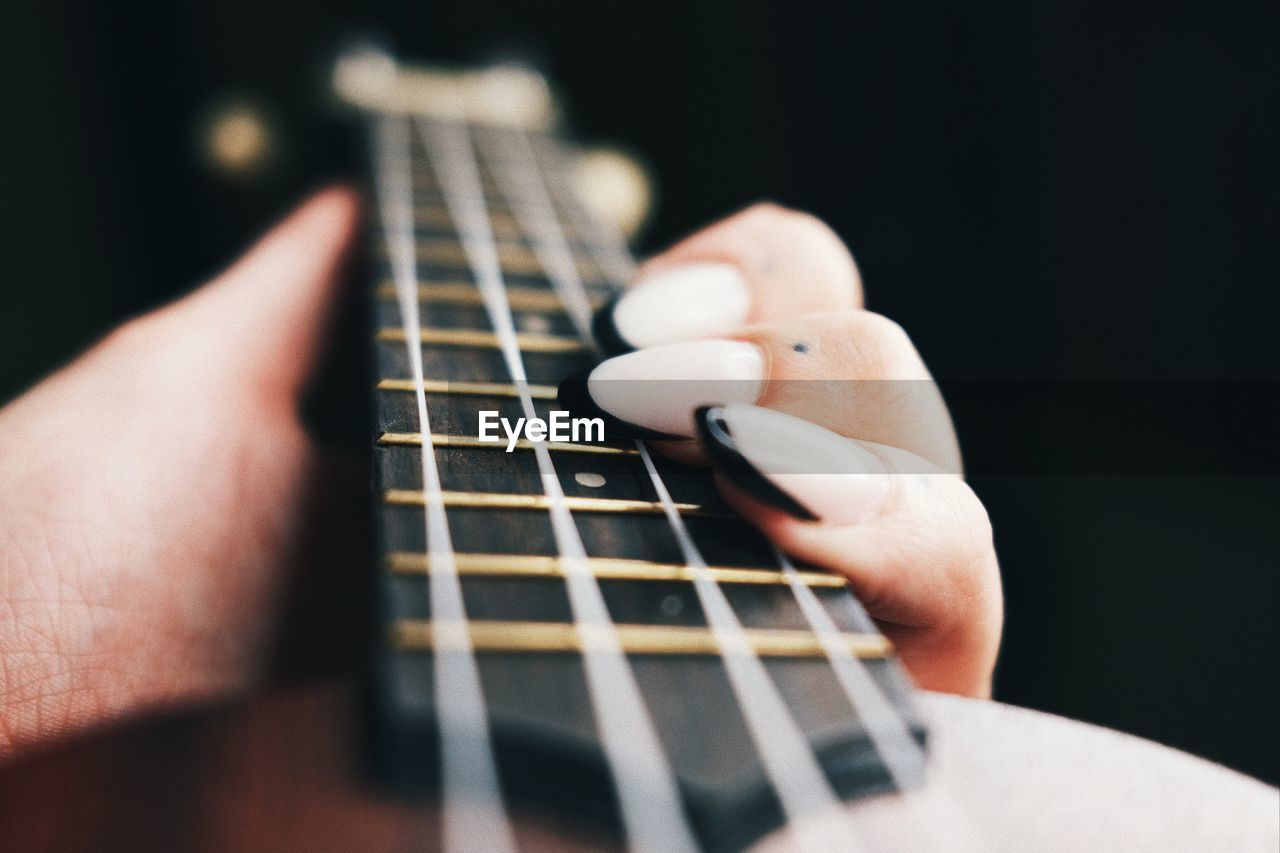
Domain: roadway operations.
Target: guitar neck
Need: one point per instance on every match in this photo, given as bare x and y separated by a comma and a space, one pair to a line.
559, 575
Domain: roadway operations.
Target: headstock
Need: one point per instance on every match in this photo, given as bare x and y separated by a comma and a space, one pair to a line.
612, 182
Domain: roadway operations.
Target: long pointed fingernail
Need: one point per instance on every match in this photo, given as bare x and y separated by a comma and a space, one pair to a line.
794, 465
683, 303
652, 393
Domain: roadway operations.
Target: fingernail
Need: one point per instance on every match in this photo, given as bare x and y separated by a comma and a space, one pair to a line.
652, 393
683, 303
794, 465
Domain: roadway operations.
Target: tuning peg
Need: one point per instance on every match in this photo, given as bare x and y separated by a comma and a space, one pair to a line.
507, 94
237, 137
616, 186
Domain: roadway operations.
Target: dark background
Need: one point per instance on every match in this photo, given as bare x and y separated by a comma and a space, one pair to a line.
1048, 190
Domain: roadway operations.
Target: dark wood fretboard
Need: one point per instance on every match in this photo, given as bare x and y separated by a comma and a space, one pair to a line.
504, 550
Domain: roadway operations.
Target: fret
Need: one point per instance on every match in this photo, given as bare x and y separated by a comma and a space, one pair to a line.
435, 223
604, 568
478, 364
425, 183
527, 299
414, 439
415, 635
432, 218
585, 471
468, 389
488, 340
447, 251
448, 315
598, 291
506, 500
515, 258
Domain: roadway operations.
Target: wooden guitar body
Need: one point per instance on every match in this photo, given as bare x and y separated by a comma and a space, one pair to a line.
284, 773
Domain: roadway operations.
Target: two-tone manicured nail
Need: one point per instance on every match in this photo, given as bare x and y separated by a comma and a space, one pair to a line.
683, 303
653, 393
794, 465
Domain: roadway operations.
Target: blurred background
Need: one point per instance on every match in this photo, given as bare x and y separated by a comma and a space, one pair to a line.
1053, 195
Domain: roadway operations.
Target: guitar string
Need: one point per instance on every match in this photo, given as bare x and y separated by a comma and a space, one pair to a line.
889, 734
789, 762
648, 795
608, 248
892, 740
886, 729
473, 813
903, 757
516, 168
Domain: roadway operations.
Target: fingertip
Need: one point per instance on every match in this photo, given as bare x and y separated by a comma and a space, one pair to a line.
329, 214
336, 206
270, 309
778, 525
736, 469
795, 465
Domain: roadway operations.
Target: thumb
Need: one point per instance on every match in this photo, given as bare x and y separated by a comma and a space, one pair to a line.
269, 311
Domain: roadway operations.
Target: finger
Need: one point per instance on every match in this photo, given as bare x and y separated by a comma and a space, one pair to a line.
854, 372
764, 263
265, 317
913, 540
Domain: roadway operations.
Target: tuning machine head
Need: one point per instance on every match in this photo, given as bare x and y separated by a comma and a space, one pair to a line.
505, 94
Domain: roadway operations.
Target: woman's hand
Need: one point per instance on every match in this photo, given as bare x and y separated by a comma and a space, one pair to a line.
151, 494
152, 500
829, 435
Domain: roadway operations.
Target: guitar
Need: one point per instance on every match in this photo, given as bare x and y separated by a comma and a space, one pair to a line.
584, 630
580, 647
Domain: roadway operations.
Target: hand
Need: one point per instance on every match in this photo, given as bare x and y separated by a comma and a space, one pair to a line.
151, 494
834, 440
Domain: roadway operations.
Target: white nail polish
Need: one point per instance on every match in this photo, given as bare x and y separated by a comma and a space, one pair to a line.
835, 477
683, 304
660, 387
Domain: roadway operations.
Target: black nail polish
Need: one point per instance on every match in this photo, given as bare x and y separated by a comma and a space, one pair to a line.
574, 397
724, 453
607, 336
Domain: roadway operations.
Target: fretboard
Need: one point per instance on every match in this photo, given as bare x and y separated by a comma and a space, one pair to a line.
636, 519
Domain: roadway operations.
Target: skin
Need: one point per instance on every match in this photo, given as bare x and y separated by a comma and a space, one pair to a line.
924, 565
159, 503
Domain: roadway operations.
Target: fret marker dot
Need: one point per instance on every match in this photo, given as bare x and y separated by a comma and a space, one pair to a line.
535, 323
589, 479
671, 605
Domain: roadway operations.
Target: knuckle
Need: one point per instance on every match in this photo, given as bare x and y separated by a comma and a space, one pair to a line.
131, 336
973, 570
794, 226
884, 331
882, 345
766, 212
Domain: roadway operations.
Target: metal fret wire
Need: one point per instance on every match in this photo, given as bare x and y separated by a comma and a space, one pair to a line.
474, 817
647, 791
789, 762
888, 732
